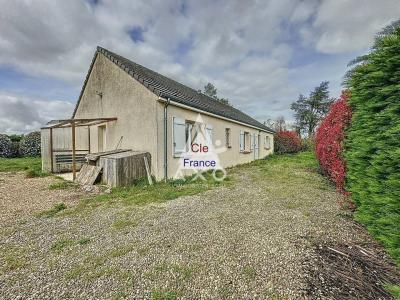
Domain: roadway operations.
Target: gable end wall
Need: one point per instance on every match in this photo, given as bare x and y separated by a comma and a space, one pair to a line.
128, 100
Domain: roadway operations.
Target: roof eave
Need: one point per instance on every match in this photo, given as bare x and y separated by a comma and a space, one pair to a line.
177, 102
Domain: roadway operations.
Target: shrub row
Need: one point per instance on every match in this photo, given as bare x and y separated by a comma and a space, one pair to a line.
372, 147
287, 142
28, 145
329, 141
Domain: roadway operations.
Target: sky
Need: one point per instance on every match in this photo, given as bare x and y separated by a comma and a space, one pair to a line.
259, 54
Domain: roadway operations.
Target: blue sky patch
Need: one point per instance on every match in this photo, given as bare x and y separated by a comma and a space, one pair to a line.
136, 34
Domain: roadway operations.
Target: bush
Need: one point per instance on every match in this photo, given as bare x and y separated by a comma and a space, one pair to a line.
5, 146
308, 144
329, 141
15, 137
373, 141
30, 144
287, 142
14, 149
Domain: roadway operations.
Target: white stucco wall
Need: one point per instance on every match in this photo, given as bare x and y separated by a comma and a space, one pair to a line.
124, 98
141, 119
231, 157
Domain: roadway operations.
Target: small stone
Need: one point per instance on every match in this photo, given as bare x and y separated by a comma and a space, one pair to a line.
88, 188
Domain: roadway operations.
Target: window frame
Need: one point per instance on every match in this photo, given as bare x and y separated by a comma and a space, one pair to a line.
245, 147
228, 137
267, 142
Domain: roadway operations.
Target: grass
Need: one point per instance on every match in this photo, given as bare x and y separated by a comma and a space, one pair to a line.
84, 241
94, 267
163, 294
53, 211
62, 185
20, 164
13, 258
249, 272
185, 272
61, 244
142, 193
122, 224
31, 165
394, 290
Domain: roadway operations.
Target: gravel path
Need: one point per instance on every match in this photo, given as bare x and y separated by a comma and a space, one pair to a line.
21, 197
248, 241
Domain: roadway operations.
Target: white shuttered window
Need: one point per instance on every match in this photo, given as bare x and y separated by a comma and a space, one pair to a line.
241, 141
179, 136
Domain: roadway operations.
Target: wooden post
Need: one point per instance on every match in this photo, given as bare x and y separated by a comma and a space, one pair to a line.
73, 151
51, 150
88, 129
146, 164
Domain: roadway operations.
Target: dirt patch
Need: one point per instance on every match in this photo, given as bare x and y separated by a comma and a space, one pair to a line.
350, 271
21, 196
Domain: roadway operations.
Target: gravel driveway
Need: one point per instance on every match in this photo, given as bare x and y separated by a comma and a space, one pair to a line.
21, 196
246, 241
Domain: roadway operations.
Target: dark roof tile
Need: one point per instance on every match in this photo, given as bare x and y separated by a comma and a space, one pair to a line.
169, 88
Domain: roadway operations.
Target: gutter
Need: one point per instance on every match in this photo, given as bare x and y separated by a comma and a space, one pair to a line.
167, 102
211, 114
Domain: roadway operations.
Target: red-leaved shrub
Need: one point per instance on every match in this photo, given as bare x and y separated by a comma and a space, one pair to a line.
329, 141
287, 142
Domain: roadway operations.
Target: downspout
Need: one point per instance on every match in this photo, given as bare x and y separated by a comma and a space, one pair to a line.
166, 139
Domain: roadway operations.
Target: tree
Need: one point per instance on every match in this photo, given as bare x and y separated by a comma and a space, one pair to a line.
211, 91
280, 124
309, 111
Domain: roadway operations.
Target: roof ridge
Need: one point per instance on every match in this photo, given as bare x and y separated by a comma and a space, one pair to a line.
166, 87
102, 50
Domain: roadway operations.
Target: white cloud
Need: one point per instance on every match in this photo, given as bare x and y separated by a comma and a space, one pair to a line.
21, 114
349, 25
246, 48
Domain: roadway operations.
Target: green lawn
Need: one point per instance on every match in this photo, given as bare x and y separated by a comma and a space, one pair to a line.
20, 164
143, 193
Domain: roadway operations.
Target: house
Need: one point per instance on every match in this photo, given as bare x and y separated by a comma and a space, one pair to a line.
124, 105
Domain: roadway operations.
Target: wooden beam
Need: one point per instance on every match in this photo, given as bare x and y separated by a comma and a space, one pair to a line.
73, 151
88, 129
79, 122
51, 151
67, 150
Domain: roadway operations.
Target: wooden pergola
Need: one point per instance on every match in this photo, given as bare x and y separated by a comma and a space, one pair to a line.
73, 123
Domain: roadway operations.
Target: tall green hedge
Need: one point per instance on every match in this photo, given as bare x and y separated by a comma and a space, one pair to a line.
373, 140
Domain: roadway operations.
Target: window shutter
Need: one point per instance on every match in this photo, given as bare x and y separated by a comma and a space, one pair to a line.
179, 136
252, 141
267, 142
209, 134
241, 141
227, 137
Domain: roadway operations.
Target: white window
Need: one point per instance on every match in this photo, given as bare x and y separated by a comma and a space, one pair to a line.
267, 142
228, 138
244, 141
241, 141
179, 136
101, 138
252, 142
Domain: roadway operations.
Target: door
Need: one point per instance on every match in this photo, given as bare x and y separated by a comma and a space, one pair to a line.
256, 146
102, 138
